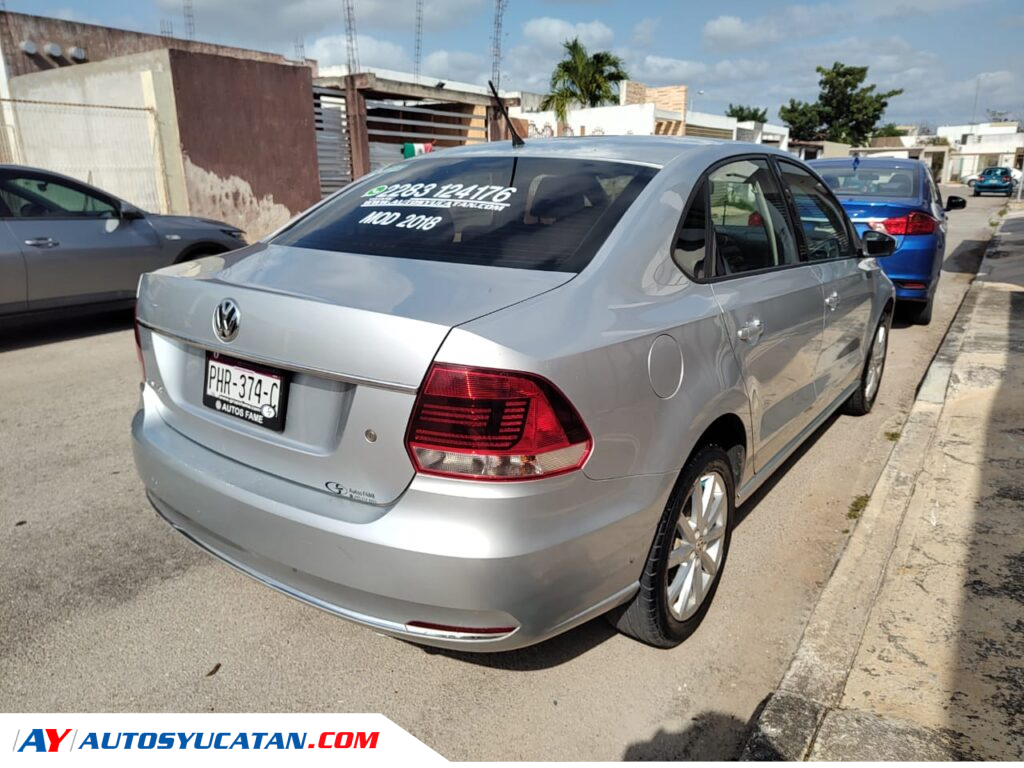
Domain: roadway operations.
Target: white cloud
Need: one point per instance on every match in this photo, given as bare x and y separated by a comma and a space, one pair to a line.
734, 32
457, 65
643, 31
331, 50
548, 34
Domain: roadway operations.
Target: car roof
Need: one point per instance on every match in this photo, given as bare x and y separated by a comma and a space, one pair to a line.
647, 150
868, 162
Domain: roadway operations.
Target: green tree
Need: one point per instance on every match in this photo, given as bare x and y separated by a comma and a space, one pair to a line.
846, 110
803, 119
744, 113
582, 78
888, 129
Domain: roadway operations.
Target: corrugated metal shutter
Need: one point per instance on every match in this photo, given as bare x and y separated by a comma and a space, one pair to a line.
333, 150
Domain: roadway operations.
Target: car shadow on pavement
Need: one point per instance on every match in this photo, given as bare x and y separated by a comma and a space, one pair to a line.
21, 333
710, 736
966, 258
576, 642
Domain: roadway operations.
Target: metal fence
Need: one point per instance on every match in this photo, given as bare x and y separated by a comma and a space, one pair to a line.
114, 148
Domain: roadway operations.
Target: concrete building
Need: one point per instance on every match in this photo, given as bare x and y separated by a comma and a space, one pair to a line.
173, 126
983, 145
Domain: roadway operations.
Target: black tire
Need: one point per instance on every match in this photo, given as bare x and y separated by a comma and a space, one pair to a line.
922, 313
971, 183
862, 401
977, 193
647, 617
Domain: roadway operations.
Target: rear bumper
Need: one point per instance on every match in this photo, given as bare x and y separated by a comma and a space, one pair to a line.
1001, 189
538, 558
917, 261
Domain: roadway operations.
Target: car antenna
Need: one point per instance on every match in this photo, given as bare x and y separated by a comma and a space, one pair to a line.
517, 140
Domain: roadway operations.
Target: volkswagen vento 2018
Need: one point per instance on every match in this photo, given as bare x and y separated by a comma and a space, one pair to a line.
490, 393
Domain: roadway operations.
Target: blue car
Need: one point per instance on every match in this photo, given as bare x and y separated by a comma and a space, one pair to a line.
900, 198
997, 181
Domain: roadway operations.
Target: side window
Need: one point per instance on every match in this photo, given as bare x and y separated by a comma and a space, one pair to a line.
747, 213
936, 193
31, 197
690, 249
822, 220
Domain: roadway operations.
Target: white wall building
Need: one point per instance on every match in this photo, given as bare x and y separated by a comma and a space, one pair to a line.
983, 145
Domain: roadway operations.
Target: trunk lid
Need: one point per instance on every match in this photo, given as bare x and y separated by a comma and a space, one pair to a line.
355, 335
863, 212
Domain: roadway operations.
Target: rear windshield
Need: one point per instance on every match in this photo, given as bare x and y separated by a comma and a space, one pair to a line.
872, 182
528, 213
996, 172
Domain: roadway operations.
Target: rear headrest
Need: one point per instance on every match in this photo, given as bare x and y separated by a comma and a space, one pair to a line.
559, 196
899, 185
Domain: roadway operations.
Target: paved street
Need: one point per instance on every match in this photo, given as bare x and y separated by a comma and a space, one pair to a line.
103, 607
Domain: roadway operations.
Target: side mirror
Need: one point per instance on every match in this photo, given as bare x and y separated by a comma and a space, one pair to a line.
878, 244
129, 212
954, 203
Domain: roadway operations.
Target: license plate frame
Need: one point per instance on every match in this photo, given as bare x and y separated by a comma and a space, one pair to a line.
240, 407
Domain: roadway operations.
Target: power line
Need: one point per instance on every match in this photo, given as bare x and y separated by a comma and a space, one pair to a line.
352, 48
499, 12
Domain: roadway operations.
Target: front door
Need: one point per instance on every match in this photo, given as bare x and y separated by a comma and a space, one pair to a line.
827, 241
771, 301
76, 246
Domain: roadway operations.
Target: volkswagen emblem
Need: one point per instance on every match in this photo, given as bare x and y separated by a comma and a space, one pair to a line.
225, 320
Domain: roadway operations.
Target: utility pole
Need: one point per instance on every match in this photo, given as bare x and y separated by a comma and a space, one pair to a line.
499, 12
419, 40
352, 46
190, 20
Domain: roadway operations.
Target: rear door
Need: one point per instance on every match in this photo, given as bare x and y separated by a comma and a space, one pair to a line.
76, 247
13, 286
772, 302
827, 240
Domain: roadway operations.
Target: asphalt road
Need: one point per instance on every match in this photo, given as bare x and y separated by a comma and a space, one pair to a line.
104, 608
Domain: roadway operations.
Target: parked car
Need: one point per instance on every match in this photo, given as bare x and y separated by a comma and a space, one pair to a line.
900, 198
66, 245
490, 393
970, 178
995, 181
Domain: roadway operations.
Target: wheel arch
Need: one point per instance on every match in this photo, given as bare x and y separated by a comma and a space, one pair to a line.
729, 432
205, 248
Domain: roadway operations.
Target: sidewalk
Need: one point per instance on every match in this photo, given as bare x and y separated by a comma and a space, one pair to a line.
915, 650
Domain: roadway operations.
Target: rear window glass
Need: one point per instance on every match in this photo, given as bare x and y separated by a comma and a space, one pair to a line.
872, 182
527, 213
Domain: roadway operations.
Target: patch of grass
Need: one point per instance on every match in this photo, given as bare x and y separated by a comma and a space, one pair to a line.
846, 530
857, 506
893, 436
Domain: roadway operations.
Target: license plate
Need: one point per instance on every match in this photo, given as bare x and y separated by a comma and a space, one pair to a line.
246, 391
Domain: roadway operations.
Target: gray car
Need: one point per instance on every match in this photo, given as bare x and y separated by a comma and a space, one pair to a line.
66, 245
491, 393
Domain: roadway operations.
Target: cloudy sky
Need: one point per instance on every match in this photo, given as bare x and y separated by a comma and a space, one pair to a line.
945, 54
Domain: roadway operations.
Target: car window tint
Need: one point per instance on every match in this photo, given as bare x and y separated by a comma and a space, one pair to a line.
690, 248
748, 217
821, 219
871, 181
31, 197
522, 212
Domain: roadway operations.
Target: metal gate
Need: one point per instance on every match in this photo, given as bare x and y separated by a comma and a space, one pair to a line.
392, 123
114, 148
333, 150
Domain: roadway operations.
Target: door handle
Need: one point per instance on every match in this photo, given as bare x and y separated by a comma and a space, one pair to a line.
832, 301
42, 242
751, 330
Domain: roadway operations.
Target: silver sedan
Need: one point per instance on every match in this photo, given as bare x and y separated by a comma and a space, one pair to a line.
491, 393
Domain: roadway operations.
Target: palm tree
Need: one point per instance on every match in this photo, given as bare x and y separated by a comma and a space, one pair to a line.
583, 79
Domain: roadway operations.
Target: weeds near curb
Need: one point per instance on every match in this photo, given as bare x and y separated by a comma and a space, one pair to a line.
857, 506
893, 436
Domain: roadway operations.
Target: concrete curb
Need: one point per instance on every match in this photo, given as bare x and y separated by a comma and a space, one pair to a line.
803, 704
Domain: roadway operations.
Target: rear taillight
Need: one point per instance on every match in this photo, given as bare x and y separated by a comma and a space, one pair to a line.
485, 424
1006, 179
915, 223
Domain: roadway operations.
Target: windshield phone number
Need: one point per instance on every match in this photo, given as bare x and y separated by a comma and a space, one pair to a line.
494, 194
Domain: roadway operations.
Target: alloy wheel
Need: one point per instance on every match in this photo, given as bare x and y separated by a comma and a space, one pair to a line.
698, 546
